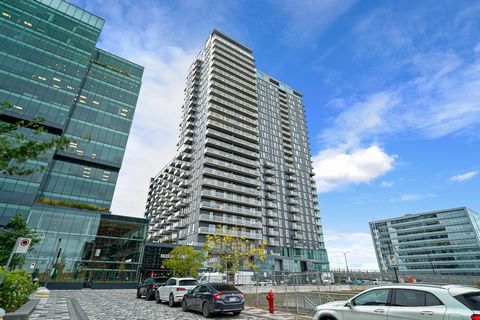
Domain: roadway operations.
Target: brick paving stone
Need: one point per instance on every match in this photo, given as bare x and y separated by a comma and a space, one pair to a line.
123, 305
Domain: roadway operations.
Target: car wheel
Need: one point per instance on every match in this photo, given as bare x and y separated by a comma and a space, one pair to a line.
184, 305
171, 301
138, 295
149, 295
236, 313
206, 310
157, 297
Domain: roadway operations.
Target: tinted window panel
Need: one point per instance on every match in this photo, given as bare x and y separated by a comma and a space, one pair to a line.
470, 300
431, 300
187, 283
224, 287
409, 298
372, 298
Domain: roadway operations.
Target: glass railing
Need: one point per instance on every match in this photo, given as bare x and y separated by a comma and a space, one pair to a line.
232, 113
231, 197
234, 233
231, 208
232, 147
228, 220
236, 124
232, 129
231, 186
232, 166
213, 132
246, 108
232, 157
230, 175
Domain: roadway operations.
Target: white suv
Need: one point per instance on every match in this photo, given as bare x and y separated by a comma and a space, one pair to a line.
174, 289
406, 302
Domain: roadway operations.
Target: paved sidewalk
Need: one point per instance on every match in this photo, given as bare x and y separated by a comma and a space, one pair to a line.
55, 308
123, 305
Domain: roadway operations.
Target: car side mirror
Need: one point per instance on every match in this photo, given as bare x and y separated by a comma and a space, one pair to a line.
348, 305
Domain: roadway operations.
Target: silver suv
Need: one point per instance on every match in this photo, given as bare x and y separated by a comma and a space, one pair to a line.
412, 301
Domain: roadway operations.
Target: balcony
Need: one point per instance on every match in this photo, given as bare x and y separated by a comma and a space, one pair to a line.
231, 187
270, 188
235, 167
229, 220
296, 226
234, 233
293, 201
291, 179
269, 180
230, 176
292, 186
273, 243
224, 196
297, 235
222, 207
272, 213
271, 204
273, 233
272, 223
292, 193
295, 217
269, 172
293, 209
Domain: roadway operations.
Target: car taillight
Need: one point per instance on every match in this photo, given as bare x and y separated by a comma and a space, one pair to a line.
180, 289
152, 286
217, 295
475, 316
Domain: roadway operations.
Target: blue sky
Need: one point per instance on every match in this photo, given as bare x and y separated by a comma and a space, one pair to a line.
391, 90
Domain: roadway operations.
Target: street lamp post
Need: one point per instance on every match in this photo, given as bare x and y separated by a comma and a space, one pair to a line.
346, 263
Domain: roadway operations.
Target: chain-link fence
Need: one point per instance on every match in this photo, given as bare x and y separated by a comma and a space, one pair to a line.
302, 292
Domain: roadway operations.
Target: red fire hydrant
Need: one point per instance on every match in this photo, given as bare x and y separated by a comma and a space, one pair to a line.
270, 298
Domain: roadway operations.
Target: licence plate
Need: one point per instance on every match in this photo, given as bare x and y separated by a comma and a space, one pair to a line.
232, 299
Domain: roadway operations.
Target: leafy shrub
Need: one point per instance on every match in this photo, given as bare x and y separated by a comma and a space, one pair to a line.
15, 289
478, 285
76, 205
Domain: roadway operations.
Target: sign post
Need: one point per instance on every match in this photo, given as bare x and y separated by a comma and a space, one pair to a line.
21, 246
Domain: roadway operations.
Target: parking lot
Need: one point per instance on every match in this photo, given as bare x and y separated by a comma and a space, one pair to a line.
114, 304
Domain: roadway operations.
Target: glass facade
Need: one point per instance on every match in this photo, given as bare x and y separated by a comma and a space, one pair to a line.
50, 68
243, 163
446, 241
101, 247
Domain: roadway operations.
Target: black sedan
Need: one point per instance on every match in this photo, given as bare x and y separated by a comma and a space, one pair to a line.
209, 298
148, 286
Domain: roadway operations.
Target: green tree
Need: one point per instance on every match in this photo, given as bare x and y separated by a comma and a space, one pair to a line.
15, 289
16, 228
184, 261
17, 145
231, 252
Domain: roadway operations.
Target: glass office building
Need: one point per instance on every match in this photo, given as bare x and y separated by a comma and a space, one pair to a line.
243, 163
50, 68
444, 241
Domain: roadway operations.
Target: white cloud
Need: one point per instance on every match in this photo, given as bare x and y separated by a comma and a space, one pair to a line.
386, 184
309, 18
357, 245
335, 168
464, 177
412, 197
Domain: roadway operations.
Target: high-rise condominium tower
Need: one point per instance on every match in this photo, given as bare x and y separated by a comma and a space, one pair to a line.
243, 163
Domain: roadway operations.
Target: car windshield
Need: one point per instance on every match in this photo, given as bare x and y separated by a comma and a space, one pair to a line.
187, 282
470, 300
224, 287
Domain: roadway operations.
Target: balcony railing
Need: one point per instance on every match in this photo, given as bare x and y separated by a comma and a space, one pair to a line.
234, 221
234, 233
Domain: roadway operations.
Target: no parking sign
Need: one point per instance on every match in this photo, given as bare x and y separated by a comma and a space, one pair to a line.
22, 245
